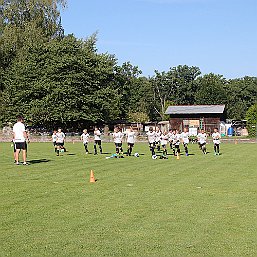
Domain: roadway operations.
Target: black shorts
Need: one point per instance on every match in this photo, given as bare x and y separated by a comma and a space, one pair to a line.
54, 143
20, 145
60, 144
98, 142
131, 144
118, 144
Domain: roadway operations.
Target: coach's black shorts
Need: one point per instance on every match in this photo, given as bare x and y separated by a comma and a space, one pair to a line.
20, 145
98, 142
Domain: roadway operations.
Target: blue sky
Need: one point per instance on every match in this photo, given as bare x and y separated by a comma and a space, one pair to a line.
218, 36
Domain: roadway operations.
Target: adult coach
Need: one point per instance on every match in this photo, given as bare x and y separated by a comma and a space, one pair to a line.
19, 137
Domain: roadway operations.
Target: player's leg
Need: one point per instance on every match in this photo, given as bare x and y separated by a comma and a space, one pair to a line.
95, 149
100, 146
186, 149
17, 155
117, 149
85, 146
218, 148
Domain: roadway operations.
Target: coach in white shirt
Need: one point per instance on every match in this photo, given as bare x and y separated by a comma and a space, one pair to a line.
20, 135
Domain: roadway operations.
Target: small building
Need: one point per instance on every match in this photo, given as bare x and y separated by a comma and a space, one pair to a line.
195, 117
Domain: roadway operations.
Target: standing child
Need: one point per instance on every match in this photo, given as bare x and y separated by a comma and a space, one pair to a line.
158, 134
84, 137
151, 139
176, 141
185, 140
54, 140
117, 138
172, 140
216, 141
98, 140
202, 137
130, 140
60, 136
164, 141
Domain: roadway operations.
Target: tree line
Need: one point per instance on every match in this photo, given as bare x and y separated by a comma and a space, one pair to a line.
55, 79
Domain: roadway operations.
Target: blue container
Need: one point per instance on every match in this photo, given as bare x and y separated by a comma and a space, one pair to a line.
230, 131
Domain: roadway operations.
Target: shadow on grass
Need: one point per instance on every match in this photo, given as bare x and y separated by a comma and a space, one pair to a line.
38, 161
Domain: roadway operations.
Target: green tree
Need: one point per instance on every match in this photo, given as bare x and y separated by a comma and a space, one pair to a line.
211, 89
251, 117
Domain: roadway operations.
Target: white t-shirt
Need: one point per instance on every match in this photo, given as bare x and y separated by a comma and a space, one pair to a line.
60, 137
177, 139
85, 137
202, 138
164, 139
97, 134
216, 137
131, 137
172, 137
185, 137
117, 137
18, 130
151, 136
54, 137
157, 136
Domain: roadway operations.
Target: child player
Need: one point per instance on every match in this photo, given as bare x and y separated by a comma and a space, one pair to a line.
98, 140
185, 140
54, 140
60, 136
216, 141
158, 134
151, 140
164, 141
176, 142
130, 140
202, 137
84, 137
117, 138
172, 140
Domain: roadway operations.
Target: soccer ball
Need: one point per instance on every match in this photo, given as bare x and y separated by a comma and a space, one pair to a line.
154, 157
136, 154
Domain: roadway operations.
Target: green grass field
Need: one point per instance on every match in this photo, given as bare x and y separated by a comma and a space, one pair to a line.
200, 205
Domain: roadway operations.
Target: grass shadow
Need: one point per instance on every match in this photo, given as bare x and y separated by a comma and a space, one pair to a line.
38, 161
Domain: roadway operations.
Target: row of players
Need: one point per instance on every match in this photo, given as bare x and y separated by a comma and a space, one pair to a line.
157, 139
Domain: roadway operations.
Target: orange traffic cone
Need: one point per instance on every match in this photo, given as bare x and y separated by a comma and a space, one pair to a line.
92, 177
178, 157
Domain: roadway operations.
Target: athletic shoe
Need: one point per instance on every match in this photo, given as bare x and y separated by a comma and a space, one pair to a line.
17, 163
25, 163
186, 154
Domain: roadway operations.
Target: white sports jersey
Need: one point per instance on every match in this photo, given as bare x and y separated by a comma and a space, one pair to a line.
172, 137
202, 138
151, 136
185, 137
177, 139
164, 139
60, 137
117, 137
157, 136
85, 137
97, 134
131, 137
18, 130
54, 137
216, 137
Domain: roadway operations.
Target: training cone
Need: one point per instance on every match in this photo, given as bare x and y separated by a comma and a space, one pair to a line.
178, 157
92, 177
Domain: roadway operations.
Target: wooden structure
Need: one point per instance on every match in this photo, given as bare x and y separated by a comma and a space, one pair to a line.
205, 117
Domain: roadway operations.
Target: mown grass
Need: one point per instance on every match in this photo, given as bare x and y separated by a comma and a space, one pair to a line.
201, 205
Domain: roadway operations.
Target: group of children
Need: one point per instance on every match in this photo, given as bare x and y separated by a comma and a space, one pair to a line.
174, 138
157, 139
